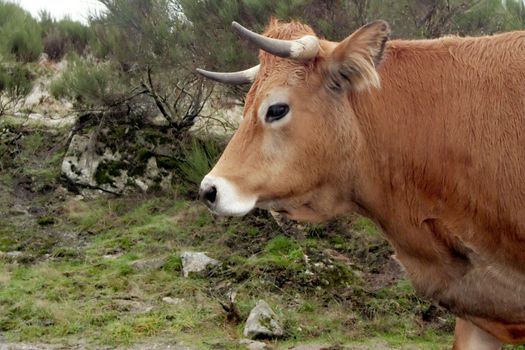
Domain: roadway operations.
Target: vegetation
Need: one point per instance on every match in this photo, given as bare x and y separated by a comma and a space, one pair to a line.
15, 84
20, 33
77, 276
88, 83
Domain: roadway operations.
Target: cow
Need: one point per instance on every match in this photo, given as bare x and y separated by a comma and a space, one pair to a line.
424, 137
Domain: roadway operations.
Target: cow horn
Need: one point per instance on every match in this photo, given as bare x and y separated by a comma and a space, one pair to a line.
243, 77
304, 48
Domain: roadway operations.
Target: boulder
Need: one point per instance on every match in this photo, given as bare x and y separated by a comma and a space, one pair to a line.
119, 159
196, 262
263, 323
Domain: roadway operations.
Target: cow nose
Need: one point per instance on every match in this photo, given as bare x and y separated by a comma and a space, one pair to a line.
208, 194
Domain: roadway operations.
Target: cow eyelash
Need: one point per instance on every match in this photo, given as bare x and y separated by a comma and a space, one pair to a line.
276, 112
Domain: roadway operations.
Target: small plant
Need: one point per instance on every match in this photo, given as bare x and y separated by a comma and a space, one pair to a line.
45, 221
198, 160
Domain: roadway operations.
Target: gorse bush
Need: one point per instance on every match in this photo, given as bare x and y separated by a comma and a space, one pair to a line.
151, 42
24, 38
21, 34
15, 84
55, 45
77, 35
65, 36
88, 83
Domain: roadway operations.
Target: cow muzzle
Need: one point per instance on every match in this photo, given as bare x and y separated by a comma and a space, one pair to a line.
223, 197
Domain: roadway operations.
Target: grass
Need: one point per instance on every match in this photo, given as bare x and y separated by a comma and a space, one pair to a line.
88, 288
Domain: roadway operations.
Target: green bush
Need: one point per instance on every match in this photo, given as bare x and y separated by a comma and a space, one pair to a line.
64, 36
15, 84
21, 34
88, 83
77, 35
55, 44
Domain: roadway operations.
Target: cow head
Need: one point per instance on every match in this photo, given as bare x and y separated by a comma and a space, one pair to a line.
296, 148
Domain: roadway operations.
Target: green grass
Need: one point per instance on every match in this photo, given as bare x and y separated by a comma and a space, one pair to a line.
91, 291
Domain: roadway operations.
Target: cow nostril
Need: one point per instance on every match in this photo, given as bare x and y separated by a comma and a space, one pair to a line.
209, 195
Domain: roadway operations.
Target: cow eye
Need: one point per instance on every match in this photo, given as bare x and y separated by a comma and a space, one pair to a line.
276, 112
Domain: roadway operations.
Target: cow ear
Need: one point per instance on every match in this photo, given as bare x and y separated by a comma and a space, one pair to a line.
352, 64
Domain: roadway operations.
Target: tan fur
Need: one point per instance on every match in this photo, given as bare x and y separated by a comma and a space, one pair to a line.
470, 337
436, 157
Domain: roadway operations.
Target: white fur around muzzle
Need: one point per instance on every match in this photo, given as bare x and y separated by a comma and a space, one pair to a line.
229, 201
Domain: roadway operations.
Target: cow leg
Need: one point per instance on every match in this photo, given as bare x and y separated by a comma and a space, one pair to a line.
467, 336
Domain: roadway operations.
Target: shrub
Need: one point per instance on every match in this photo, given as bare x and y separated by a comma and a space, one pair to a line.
61, 37
88, 83
76, 34
20, 33
55, 45
15, 84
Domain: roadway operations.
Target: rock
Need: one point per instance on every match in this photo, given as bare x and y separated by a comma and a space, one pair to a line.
173, 301
12, 256
79, 164
18, 211
108, 160
254, 344
316, 347
57, 122
263, 322
155, 346
196, 262
112, 256
148, 264
133, 306
25, 346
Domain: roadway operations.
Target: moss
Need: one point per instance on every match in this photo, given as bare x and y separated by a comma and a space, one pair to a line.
156, 136
167, 163
365, 225
45, 221
143, 154
107, 170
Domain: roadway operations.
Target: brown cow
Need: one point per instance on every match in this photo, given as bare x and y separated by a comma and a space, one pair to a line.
425, 137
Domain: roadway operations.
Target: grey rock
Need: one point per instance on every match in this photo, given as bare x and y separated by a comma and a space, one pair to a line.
14, 256
196, 262
26, 346
263, 322
173, 301
87, 153
156, 346
148, 264
254, 344
316, 347
112, 256
133, 306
